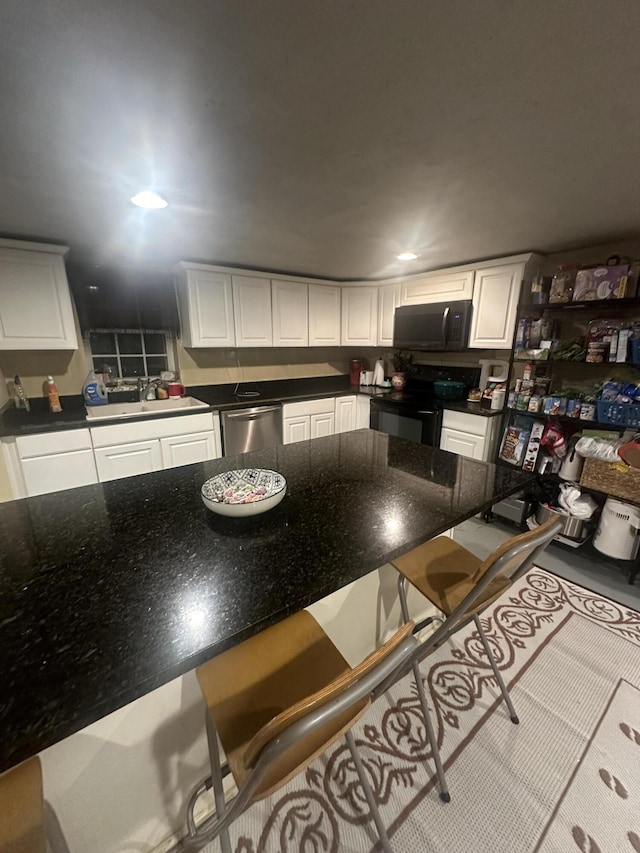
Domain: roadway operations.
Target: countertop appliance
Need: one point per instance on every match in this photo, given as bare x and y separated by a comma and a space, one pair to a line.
244, 430
415, 412
439, 327
618, 533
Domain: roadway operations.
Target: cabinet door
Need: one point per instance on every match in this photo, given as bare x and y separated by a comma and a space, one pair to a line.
252, 311
363, 416
462, 443
187, 449
495, 302
324, 315
290, 308
388, 301
205, 300
323, 424
127, 460
360, 316
346, 413
439, 287
57, 471
35, 303
296, 428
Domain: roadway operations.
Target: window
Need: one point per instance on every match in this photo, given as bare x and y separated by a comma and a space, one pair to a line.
130, 353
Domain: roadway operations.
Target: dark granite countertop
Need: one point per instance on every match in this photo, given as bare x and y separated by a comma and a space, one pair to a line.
220, 397
109, 591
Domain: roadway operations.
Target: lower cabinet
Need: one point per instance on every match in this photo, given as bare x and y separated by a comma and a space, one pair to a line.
127, 460
55, 461
127, 449
462, 443
346, 413
322, 424
468, 435
187, 449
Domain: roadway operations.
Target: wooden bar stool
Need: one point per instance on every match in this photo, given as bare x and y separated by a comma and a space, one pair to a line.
277, 701
461, 585
27, 823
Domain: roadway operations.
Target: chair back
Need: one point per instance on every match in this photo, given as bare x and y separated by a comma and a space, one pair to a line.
511, 559
346, 692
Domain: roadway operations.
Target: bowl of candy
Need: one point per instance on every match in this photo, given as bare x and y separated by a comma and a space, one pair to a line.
243, 492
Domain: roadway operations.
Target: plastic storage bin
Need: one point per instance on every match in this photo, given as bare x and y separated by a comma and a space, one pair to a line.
620, 414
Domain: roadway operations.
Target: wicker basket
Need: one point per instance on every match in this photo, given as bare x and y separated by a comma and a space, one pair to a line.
608, 478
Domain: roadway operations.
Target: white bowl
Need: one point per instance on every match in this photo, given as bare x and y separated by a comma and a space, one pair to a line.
248, 491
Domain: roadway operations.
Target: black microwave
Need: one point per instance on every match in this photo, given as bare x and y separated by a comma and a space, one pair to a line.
439, 327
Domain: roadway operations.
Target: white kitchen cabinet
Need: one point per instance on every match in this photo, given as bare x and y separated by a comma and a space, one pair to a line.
468, 435
496, 291
54, 461
128, 460
346, 410
252, 311
296, 428
308, 419
363, 411
437, 287
360, 315
205, 303
322, 424
35, 302
127, 449
388, 300
290, 313
462, 443
187, 449
324, 315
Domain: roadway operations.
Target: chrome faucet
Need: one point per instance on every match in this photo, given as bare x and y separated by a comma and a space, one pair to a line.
147, 388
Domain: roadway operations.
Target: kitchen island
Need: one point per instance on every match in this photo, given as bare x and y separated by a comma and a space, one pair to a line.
109, 591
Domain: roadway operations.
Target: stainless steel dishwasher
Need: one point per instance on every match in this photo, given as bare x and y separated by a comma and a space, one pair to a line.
251, 429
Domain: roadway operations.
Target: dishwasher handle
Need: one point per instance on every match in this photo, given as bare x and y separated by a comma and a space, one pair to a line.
251, 413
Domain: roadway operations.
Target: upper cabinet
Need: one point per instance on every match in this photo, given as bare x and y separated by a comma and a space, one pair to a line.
35, 303
324, 315
437, 287
205, 303
360, 315
252, 311
495, 301
388, 301
290, 313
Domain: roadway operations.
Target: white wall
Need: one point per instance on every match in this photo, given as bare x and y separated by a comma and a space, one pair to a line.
121, 784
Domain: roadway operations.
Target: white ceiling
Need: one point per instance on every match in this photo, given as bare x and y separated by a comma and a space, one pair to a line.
320, 136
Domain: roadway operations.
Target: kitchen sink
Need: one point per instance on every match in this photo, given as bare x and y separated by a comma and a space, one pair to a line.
146, 407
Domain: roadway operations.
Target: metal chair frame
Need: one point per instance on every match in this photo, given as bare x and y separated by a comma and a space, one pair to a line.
226, 813
453, 623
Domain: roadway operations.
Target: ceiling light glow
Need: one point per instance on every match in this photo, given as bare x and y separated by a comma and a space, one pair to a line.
407, 256
149, 200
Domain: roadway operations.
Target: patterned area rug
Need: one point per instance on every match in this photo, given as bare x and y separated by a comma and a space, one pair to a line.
567, 779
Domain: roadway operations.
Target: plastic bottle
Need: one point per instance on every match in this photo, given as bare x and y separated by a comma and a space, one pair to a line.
94, 390
54, 398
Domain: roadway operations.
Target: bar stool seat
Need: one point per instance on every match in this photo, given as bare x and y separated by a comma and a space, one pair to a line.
247, 686
445, 573
22, 827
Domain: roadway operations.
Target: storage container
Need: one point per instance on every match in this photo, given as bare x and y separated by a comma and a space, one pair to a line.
611, 479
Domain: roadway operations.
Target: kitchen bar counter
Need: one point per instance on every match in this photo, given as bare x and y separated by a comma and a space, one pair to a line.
109, 591
219, 397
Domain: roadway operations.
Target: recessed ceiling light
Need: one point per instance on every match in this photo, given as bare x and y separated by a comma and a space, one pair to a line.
149, 200
407, 256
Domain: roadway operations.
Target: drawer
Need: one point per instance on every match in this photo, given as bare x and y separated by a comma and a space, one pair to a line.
105, 436
309, 407
46, 443
472, 424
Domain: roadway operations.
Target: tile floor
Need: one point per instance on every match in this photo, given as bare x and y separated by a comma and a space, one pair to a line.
584, 566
